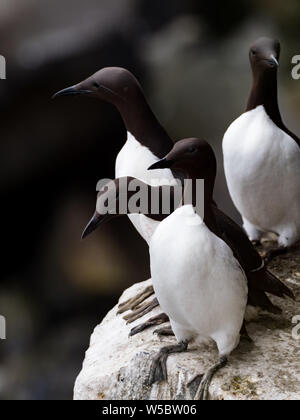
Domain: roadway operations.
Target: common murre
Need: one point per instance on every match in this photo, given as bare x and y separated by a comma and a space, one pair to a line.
197, 279
262, 157
147, 142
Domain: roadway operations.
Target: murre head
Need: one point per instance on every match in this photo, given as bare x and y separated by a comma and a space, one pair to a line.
195, 160
193, 157
119, 87
111, 84
264, 57
264, 54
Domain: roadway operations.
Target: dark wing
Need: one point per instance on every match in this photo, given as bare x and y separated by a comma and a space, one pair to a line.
265, 281
235, 236
261, 300
260, 280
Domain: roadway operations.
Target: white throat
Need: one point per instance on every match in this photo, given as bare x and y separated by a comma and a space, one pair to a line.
134, 160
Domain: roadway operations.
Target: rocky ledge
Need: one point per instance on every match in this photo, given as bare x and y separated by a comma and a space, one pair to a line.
117, 367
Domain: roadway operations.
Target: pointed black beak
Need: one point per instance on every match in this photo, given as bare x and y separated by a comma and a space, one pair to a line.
161, 164
92, 225
73, 90
273, 61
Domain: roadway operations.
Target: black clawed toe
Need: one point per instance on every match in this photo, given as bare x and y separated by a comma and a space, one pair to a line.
154, 321
141, 311
164, 332
203, 389
158, 369
134, 302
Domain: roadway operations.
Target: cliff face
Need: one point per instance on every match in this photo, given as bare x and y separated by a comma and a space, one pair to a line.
117, 367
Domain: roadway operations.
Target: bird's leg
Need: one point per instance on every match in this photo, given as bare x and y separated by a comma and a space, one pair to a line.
272, 253
141, 311
158, 370
155, 320
166, 331
133, 302
202, 391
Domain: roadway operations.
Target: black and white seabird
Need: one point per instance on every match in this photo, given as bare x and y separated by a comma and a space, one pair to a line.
191, 258
197, 279
262, 157
147, 142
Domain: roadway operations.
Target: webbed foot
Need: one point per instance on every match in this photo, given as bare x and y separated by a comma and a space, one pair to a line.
155, 320
158, 370
135, 301
203, 390
164, 332
141, 311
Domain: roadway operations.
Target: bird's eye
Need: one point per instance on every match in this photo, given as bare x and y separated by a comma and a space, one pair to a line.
96, 85
192, 149
253, 52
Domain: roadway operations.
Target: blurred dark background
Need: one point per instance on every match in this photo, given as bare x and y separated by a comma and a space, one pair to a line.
191, 58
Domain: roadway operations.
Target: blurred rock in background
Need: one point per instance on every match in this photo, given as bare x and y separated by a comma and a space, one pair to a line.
191, 58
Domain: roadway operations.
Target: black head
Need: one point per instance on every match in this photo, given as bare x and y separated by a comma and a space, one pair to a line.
193, 157
112, 84
120, 88
264, 55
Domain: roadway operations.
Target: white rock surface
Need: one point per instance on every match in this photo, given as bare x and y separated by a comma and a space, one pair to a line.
117, 367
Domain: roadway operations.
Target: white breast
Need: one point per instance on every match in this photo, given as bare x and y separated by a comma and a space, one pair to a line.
134, 160
197, 280
262, 168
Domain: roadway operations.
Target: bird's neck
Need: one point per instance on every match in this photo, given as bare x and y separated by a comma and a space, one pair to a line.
144, 126
264, 92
